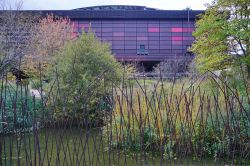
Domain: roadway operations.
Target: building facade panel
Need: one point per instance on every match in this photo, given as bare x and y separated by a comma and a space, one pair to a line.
145, 35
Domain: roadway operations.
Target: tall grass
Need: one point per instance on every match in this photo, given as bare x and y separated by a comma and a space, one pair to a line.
180, 118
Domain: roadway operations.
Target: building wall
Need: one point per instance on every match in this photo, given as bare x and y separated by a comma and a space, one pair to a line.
162, 39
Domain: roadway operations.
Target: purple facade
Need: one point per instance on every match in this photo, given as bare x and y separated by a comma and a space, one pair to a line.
137, 33
142, 40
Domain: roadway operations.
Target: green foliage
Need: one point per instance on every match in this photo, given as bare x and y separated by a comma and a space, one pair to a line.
20, 111
222, 36
201, 118
85, 72
210, 47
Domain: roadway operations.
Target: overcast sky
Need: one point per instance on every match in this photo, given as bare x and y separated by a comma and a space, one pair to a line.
72, 4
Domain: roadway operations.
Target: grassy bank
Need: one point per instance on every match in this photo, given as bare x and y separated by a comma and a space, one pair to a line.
197, 118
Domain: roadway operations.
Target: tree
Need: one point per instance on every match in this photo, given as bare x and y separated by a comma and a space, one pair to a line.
14, 35
84, 71
222, 36
49, 36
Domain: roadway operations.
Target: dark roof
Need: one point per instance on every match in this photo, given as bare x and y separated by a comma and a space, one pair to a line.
123, 14
116, 7
120, 12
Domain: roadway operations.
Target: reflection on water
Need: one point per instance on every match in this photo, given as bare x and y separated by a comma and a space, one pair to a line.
75, 147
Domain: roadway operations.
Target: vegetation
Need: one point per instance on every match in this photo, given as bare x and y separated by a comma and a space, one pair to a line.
13, 35
21, 110
186, 115
222, 36
85, 72
48, 37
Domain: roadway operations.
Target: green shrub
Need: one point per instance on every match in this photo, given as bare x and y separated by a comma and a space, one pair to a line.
84, 73
20, 110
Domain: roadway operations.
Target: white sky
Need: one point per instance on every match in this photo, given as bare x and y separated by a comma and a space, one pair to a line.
72, 4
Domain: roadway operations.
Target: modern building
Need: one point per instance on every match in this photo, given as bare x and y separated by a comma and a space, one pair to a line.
137, 33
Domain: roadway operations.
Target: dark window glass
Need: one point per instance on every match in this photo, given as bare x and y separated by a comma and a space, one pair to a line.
142, 49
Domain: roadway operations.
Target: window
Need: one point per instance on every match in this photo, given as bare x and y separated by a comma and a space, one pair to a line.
142, 50
176, 30
155, 29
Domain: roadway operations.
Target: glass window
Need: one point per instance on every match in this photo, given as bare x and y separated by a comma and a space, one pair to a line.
177, 42
177, 38
176, 29
188, 29
142, 50
118, 33
154, 29
142, 38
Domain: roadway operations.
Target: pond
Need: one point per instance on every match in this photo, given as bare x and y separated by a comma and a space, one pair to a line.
76, 147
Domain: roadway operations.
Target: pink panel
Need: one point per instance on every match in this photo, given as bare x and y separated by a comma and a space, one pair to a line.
142, 38
153, 29
188, 29
176, 29
118, 33
177, 38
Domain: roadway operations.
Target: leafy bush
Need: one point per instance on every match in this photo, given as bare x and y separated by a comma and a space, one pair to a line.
20, 111
84, 73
